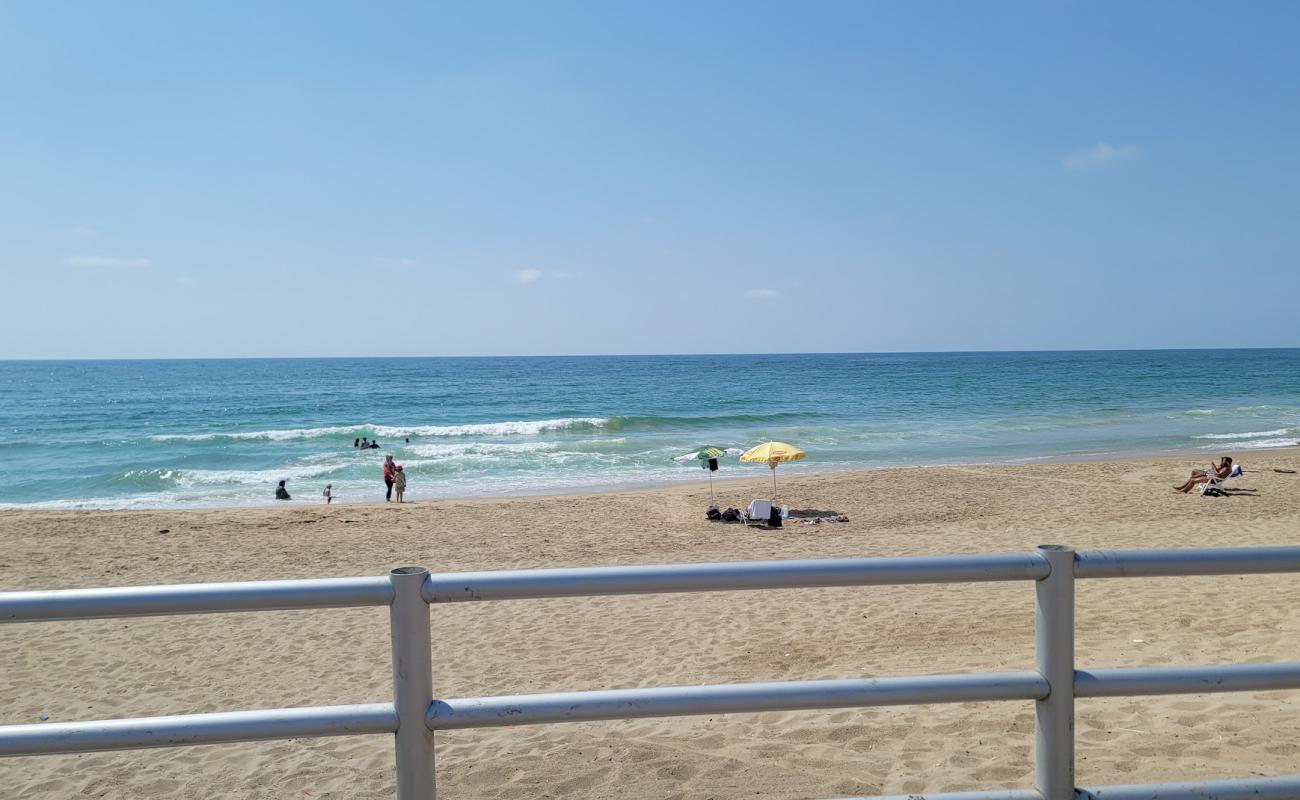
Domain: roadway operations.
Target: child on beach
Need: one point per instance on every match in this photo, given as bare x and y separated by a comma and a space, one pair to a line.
399, 482
329, 494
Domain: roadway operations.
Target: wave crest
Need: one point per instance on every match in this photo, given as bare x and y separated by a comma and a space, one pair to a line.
1247, 435
512, 428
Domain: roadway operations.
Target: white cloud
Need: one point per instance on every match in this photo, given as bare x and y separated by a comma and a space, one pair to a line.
528, 275
87, 233
107, 261
564, 276
185, 280
760, 294
403, 263
1100, 155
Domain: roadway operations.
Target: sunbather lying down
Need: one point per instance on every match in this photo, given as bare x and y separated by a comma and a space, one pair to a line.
1220, 471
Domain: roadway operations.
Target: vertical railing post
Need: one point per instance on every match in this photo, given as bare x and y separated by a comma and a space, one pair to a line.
1054, 657
412, 683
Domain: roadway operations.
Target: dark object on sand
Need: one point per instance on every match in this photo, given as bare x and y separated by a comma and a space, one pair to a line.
713, 513
774, 518
1284, 471
731, 515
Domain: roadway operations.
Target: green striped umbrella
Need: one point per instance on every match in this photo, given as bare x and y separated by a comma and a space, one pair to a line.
703, 455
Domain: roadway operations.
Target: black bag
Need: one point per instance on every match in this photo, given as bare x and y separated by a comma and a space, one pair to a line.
713, 465
774, 518
731, 515
713, 513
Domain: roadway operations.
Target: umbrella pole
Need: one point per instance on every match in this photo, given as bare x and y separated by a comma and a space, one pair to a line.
774, 483
712, 501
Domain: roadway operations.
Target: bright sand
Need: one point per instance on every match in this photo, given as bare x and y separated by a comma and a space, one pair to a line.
119, 668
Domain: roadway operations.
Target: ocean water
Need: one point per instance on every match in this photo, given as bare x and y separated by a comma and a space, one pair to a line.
139, 434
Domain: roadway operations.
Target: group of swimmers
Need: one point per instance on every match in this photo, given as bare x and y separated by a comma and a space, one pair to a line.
366, 444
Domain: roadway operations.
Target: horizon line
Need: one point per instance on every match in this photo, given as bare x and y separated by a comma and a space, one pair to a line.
649, 355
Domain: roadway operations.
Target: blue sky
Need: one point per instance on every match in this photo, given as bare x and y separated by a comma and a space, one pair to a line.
249, 179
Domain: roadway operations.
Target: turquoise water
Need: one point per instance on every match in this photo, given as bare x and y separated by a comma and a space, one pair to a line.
138, 434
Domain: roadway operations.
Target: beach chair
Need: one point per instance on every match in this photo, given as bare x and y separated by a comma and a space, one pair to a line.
757, 513
1214, 486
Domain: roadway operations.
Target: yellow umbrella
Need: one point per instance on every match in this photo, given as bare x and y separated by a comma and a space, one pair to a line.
772, 453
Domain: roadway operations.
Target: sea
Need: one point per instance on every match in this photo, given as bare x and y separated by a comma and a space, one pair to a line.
191, 433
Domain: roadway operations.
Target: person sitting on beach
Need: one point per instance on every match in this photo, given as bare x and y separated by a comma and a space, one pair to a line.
281, 493
1221, 470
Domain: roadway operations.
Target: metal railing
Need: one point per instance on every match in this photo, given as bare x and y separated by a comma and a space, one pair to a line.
414, 715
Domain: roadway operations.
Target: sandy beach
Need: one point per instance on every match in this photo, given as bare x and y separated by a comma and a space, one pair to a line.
119, 668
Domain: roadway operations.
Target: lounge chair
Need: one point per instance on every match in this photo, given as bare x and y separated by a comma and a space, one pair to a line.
758, 513
1214, 486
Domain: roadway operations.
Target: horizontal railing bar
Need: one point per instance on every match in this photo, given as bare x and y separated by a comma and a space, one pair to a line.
189, 729
1205, 561
531, 709
193, 598
738, 575
65, 604
990, 794
1286, 788
1134, 681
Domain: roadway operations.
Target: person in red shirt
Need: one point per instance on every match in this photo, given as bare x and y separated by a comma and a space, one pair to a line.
389, 469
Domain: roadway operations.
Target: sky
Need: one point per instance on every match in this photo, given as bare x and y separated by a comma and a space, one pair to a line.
353, 179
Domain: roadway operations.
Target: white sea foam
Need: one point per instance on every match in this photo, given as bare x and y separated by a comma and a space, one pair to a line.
518, 428
1257, 444
249, 477
479, 449
1247, 435
1199, 412
273, 436
512, 428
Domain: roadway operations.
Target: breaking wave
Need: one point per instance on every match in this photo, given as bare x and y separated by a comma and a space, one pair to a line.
1257, 444
1247, 435
514, 428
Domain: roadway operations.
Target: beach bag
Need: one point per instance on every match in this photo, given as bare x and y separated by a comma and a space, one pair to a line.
774, 518
713, 465
731, 515
713, 513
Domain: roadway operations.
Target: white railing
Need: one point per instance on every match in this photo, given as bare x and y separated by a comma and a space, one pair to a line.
413, 715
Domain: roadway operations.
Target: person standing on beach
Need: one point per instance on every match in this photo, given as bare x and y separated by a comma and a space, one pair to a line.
399, 482
389, 469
